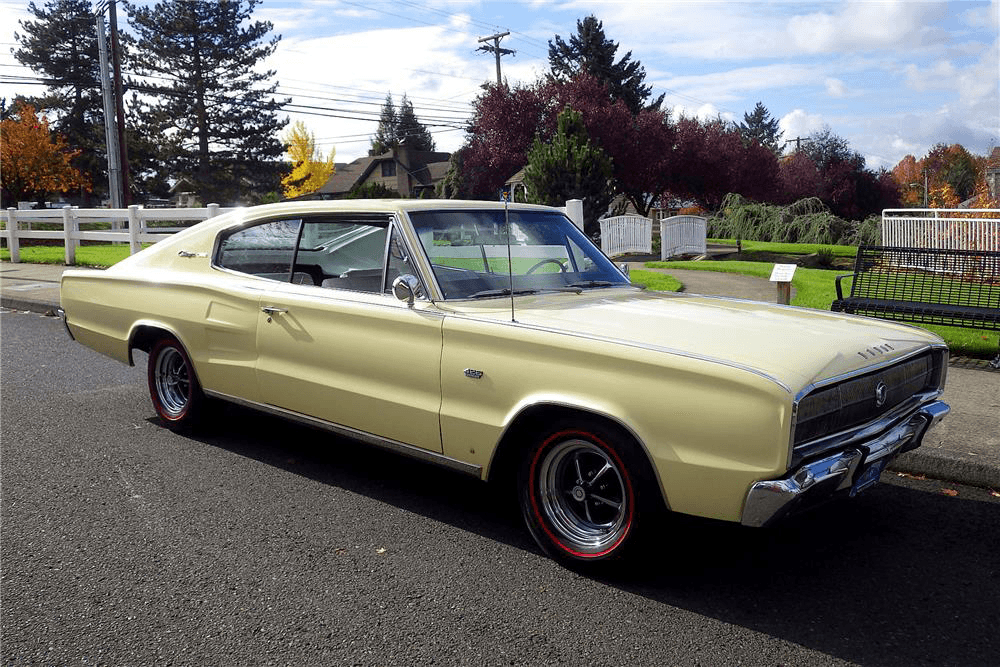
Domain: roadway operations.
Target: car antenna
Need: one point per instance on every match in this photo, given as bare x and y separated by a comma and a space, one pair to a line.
510, 264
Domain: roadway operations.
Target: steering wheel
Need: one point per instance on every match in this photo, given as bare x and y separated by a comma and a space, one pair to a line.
547, 260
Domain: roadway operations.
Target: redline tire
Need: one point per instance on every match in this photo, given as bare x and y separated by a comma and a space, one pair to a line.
579, 493
173, 386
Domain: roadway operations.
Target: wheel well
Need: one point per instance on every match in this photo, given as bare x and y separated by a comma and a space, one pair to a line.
144, 337
503, 469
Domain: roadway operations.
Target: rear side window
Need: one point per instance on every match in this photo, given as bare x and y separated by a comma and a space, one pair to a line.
263, 250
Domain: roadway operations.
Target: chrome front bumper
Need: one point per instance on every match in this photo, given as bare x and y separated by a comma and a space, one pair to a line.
846, 472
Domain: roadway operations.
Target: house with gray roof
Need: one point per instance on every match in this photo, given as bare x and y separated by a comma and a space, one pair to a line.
408, 172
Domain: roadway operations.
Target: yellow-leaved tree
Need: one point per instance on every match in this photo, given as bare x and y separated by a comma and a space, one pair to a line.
310, 169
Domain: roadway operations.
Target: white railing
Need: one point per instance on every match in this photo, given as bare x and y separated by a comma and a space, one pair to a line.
136, 218
682, 235
624, 234
941, 228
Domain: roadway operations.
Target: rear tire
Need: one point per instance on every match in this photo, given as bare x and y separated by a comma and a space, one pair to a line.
173, 386
579, 487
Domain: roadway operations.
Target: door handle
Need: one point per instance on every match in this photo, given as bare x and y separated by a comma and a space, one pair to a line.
271, 310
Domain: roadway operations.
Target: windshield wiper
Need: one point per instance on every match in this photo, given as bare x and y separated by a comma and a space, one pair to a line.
605, 283
500, 292
595, 283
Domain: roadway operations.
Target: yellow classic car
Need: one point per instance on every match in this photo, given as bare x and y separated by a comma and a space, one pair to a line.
498, 341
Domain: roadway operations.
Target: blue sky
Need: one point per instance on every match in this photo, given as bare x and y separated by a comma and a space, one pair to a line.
893, 78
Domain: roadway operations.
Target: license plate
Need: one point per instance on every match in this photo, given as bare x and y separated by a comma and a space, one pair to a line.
869, 476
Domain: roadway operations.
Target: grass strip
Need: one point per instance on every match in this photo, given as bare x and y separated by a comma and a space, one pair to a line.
98, 255
659, 282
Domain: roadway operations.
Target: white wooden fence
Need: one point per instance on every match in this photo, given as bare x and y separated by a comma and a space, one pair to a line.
624, 234
682, 235
942, 228
136, 218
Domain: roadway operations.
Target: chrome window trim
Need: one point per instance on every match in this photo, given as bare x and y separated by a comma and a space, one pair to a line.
356, 434
388, 217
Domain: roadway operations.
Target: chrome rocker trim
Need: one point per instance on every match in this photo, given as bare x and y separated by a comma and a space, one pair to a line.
770, 500
363, 436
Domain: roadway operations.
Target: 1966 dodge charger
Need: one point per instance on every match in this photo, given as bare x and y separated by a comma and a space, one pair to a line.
501, 343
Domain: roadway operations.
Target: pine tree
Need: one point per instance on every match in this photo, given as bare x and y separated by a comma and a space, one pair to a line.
395, 127
590, 51
61, 46
411, 130
570, 167
385, 137
213, 111
760, 127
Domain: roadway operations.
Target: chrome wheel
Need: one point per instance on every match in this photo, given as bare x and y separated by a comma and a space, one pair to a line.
584, 497
172, 379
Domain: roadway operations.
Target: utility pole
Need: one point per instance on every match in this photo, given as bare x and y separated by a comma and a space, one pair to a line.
110, 129
116, 60
496, 50
797, 141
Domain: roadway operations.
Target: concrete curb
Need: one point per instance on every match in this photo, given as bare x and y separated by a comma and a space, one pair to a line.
940, 465
28, 305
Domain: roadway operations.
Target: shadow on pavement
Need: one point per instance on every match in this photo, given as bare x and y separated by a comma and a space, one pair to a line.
899, 576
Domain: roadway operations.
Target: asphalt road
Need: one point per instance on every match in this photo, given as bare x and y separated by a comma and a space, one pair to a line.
260, 542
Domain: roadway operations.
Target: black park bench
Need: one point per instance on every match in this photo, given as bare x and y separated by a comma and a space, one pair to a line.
956, 288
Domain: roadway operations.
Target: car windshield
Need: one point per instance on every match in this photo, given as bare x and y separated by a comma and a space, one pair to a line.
468, 251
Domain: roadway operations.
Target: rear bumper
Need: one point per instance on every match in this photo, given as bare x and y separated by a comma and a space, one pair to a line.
62, 316
840, 473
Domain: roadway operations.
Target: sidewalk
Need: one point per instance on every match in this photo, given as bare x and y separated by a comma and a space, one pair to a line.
964, 447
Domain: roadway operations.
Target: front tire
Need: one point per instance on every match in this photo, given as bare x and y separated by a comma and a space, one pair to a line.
173, 386
579, 495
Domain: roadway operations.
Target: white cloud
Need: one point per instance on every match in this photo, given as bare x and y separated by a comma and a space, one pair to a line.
835, 87
704, 112
798, 123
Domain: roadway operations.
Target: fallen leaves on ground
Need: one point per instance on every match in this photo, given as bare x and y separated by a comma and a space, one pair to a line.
950, 492
909, 476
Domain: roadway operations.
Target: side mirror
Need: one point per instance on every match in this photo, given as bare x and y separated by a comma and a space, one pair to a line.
405, 288
624, 269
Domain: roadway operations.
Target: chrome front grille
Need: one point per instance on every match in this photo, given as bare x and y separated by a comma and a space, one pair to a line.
865, 398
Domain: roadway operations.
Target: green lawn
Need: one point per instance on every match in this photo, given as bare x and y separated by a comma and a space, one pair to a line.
660, 282
101, 255
815, 289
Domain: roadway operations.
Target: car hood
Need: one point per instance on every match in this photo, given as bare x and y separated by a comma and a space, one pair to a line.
796, 346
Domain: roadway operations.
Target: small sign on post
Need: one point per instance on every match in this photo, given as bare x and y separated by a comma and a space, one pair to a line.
782, 275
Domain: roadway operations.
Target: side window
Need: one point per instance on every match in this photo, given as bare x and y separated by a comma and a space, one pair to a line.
342, 255
262, 250
399, 262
